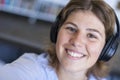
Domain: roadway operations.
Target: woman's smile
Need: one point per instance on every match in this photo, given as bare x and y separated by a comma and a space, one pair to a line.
75, 55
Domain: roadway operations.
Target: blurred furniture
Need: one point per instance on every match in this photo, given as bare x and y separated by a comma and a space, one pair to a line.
10, 51
114, 75
34, 9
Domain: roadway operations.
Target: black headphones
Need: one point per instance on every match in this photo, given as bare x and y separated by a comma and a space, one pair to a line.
112, 44
110, 47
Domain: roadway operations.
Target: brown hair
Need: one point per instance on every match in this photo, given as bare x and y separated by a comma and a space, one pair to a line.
106, 15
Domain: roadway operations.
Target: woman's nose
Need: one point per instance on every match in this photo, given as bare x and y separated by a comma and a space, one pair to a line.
78, 40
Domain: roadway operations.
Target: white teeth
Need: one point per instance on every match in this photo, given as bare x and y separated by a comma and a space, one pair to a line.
73, 54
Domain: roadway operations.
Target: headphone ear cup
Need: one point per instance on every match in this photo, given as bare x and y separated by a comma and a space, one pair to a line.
54, 31
111, 45
109, 49
54, 28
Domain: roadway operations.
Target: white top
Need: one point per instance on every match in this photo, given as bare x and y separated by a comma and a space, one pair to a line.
2, 63
30, 66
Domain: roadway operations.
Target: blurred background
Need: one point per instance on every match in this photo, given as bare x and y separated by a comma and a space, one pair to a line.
25, 27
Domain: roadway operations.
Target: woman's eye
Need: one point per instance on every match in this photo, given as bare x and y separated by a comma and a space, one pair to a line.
91, 36
71, 29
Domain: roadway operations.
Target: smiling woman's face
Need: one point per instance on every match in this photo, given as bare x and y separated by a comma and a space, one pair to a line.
80, 41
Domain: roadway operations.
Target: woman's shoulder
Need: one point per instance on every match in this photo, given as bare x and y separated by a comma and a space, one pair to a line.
31, 59
28, 66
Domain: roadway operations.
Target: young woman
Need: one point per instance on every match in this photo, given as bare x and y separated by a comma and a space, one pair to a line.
79, 35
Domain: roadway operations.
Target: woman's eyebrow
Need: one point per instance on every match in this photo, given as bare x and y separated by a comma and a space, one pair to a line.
70, 23
94, 30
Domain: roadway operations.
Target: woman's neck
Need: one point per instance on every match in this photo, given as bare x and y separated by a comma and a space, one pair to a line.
67, 75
